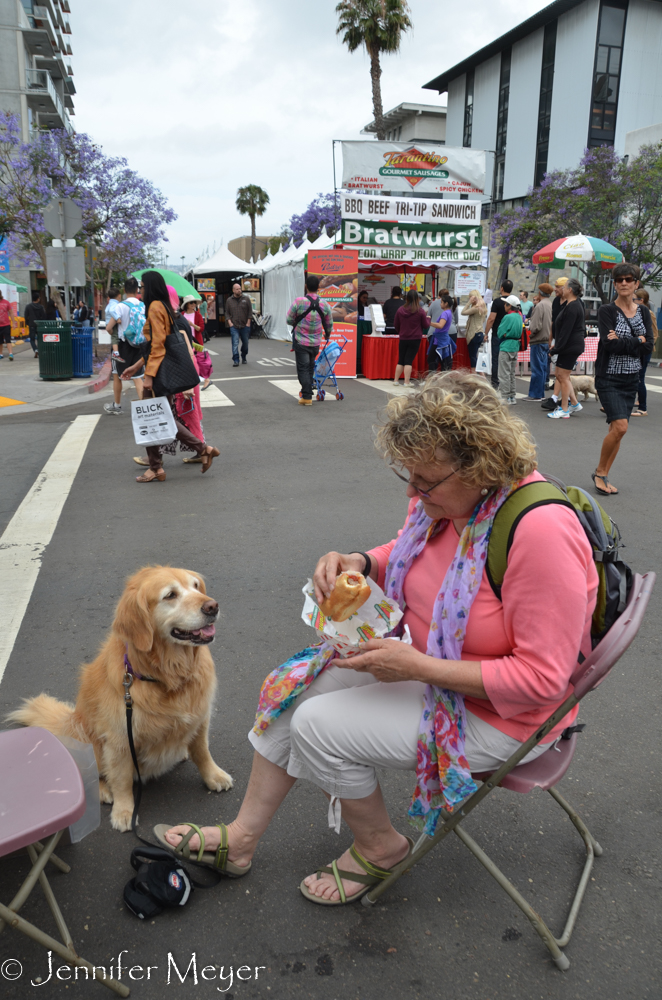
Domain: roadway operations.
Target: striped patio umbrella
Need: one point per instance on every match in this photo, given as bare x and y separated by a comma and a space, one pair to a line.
579, 247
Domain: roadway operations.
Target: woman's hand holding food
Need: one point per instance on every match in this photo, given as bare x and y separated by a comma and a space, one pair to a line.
330, 566
389, 660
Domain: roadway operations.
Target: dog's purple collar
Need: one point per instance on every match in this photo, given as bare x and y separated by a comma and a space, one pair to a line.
133, 673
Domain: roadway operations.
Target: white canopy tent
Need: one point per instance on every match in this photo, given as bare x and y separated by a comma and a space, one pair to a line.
222, 261
283, 281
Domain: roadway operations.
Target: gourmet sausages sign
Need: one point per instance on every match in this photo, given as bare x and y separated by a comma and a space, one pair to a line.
426, 243
407, 167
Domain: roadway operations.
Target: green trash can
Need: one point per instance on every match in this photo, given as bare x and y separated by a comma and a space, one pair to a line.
55, 354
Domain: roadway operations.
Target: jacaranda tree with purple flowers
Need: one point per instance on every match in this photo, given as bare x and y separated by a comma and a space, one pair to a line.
607, 196
323, 213
123, 213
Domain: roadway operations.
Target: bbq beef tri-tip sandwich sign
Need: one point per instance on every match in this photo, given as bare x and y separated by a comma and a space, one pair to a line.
407, 167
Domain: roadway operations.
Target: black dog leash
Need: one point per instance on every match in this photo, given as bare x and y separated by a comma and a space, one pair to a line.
129, 676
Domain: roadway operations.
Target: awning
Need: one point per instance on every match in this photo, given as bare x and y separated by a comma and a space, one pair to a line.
7, 281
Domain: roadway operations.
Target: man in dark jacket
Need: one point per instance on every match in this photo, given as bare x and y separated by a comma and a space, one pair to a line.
238, 315
34, 312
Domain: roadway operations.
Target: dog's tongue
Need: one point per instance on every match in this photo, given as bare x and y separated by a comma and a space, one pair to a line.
208, 631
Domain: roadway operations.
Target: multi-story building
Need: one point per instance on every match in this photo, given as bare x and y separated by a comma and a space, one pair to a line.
579, 73
35, 63
413, 123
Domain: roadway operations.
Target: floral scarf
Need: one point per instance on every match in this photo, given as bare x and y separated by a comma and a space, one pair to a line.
443, 778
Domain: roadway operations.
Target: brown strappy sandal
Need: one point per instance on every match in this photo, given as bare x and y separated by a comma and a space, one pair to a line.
156, 477
208, 456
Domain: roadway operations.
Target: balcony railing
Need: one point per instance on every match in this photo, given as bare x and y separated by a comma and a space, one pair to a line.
40, 79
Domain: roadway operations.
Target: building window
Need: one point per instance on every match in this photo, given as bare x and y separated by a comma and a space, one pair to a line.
502, 124
545, 104
468, 109
607, 72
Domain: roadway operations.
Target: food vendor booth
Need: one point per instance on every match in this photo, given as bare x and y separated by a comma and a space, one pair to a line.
213, 280
410, 210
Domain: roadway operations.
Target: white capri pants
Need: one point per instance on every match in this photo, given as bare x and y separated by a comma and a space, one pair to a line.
347, 724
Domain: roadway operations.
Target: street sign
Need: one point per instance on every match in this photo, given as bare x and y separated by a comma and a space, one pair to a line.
73, 259
63, 218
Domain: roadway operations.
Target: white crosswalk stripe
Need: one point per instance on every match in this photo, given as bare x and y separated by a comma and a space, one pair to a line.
290, 386
212, 396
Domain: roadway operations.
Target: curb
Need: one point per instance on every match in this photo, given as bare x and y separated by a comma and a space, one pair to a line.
102, 379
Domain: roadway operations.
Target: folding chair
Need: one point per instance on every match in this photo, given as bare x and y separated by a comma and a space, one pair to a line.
544, 772
42, 793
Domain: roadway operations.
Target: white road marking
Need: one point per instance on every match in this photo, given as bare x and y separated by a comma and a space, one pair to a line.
213, 397
214, 354
272, 362
240, 378
653, 388
386, 385
291, 387
30, 530
285, 361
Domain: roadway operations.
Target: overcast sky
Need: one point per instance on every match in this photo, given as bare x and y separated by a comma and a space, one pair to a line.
204, 96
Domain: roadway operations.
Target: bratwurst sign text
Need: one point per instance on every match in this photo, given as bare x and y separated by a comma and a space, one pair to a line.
395, 241
421, 167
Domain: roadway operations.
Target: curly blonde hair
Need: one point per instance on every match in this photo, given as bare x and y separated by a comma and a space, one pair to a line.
461, 415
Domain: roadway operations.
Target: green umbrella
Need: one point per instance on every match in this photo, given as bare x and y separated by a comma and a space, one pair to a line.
7, 281
181, 285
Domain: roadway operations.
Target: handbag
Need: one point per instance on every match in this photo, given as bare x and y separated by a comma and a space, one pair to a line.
153, 422
484, 360
205, 366
177, 372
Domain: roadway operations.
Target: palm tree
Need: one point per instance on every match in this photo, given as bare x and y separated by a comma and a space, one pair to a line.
378, 25
252, 201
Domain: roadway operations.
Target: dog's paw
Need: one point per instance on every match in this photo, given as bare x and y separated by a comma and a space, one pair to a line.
218, 780
120, 819
105, 794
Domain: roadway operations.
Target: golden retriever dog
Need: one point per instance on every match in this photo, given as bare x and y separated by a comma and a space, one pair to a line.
585, 384
164, 622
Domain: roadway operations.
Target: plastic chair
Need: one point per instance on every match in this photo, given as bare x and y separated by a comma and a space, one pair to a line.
41, 794
544, 772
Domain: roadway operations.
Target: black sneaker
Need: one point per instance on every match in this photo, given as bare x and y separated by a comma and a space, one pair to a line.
549, 404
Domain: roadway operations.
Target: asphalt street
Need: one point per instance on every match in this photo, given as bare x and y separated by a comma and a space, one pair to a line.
291, 483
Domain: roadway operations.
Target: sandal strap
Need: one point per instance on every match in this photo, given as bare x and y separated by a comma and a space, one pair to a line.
183, 848
221, 859
374, 870
350, 876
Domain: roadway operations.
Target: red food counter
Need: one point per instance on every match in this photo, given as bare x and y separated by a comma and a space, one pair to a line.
379, 356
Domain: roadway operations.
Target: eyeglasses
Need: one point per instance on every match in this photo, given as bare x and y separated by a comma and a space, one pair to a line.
624, 277
423, 493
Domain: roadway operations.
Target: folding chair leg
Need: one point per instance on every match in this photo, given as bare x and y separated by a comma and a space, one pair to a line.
46, 941
52, 902
538, 923
35, 872
592, 849
58, 862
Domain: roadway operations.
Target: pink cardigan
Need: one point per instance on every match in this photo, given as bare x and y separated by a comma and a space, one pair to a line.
528, 644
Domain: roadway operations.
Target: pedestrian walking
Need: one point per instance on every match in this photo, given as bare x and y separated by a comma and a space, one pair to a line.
191, 313
124, 323
510, 336
626, 341
238, 315
540, 328
160, 319
5, 327
569, 333
558, 303
492, 327
310, 318
390, 308
527, 306
641, 410
411, 325
34, 313
442, 348
476, 310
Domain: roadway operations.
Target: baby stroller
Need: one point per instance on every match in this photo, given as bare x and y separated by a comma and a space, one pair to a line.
325, 368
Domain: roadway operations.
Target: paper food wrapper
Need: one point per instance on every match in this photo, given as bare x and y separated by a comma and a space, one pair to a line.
375, 619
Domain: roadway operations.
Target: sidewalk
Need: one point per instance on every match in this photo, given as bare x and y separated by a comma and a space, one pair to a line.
22, 391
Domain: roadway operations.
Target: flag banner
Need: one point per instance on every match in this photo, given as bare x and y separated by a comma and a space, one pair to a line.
430, 244
422, 167
401, 209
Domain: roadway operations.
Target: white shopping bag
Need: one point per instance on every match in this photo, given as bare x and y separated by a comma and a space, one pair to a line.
484, 360
153, 422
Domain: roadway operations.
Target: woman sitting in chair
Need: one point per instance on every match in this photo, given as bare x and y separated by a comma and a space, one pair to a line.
482, 672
